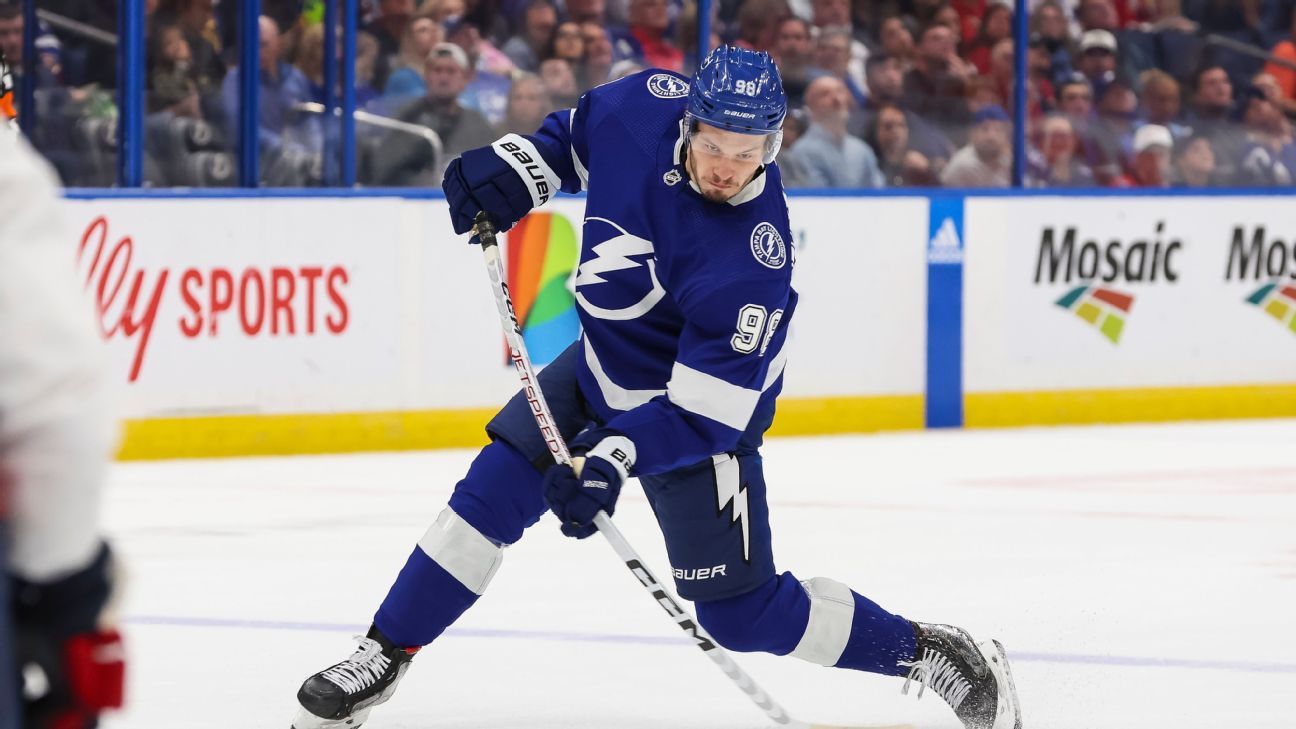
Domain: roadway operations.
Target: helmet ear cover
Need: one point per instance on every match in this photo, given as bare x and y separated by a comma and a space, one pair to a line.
773, 140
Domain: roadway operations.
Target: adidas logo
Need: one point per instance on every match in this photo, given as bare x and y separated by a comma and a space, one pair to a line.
596, 485
945, 246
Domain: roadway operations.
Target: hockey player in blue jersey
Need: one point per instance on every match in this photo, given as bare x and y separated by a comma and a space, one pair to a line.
684, 293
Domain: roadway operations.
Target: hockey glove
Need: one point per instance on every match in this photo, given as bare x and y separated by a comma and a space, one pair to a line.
72, 666
480, 180
576, 499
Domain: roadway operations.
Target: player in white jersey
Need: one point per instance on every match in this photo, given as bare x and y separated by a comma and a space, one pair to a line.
56, 432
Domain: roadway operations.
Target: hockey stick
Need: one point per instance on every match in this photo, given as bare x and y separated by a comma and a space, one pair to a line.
485, 232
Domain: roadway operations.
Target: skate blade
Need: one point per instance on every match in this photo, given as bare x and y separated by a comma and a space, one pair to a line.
999, 666
307, 720
862, 726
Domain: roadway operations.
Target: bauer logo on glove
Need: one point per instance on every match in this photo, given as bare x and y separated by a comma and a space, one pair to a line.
577, 499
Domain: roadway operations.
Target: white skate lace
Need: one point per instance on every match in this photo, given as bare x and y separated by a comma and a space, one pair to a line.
936, 671
361, 670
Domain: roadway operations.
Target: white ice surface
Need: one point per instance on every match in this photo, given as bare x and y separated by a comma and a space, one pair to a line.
1143, 577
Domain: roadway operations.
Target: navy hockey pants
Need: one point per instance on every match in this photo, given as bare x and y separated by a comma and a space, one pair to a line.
715, 520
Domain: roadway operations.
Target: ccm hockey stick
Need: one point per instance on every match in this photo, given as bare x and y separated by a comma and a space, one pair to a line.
486, 234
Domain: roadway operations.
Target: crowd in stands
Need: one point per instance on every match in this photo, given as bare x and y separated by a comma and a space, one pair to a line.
883, 93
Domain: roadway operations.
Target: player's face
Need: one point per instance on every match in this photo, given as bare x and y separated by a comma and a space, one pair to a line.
723, 162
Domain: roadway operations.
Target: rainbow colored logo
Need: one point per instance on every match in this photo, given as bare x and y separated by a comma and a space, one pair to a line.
542, 252
1104, 309
1278, 302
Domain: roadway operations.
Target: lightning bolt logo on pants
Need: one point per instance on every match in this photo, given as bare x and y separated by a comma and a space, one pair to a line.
729, 490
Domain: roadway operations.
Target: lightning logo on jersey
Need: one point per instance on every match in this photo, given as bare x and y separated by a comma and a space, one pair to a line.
730, 491
614, 255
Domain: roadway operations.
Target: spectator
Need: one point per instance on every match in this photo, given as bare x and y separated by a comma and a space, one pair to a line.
197, 21
832, 58
901, 165
947, 16
1285, 50
11, 35
587, 11
489, 71
936, 87
366, 69
758, 24
598, 56
406, 82
1075, 98
834, 16
1049, 22
172, 88
528, 47
388, 28
971, 16
1151, 166
830, 157
986, 161
995, 26
1097, 59
649, 20
1264, 158
923, 12
1040, 95
405, 159
1002, 71
1273, 91
793, 52
528, 104
1114, 131
1212, 106
1098, 15
1054, 163
886, 84
567, 44
308, 57
898, 41
1161, 101
444, 12
560, 81
1194, 162
281, 87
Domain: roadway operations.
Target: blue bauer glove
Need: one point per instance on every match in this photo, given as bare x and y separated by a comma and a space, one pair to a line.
575, 500
478, 180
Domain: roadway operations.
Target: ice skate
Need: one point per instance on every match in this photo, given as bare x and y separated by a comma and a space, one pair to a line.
344, 694
973, 678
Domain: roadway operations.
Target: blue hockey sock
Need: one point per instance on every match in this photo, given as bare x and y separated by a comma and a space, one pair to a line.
878, 640
455, 560
847, 630
820, 620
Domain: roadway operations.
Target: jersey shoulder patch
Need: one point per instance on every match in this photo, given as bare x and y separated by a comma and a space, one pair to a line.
768, 246
667, 86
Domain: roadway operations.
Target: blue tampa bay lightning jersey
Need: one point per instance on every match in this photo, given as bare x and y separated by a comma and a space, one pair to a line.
684, 303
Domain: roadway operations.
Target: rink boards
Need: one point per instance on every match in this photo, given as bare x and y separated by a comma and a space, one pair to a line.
276, 325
